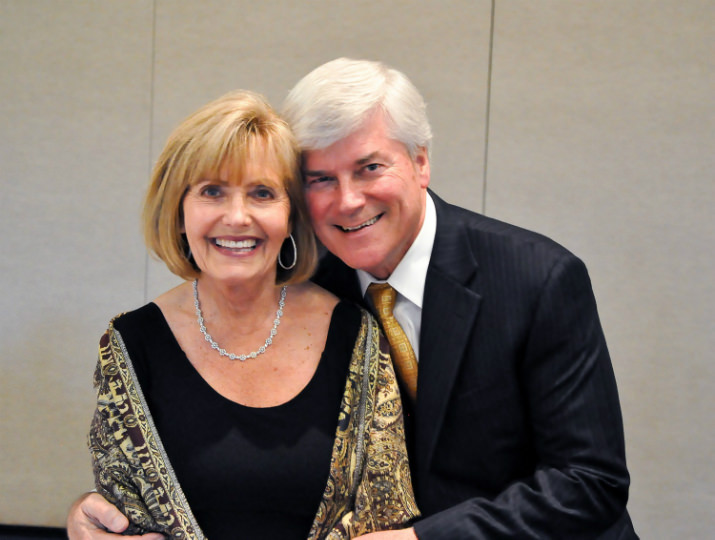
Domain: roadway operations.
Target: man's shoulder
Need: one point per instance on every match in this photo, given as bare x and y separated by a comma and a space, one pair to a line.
337, 277
487, 234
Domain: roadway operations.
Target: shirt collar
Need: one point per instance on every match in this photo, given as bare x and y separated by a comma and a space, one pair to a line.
409, 277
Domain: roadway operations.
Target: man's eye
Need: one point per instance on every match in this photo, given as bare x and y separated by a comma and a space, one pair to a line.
371, 168
318, 181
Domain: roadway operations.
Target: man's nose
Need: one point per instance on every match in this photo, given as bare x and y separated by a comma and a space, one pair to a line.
351, 196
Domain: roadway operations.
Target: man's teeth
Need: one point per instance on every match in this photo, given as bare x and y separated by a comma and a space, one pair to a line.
236, 244
362, 225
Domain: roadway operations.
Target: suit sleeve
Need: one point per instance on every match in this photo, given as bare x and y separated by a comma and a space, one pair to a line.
579, 485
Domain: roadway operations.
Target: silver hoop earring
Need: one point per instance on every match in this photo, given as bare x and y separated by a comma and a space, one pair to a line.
295, 255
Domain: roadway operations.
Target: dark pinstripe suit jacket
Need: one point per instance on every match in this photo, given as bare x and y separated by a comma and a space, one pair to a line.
517, 430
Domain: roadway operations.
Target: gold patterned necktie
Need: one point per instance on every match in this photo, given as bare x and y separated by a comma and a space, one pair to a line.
403, 356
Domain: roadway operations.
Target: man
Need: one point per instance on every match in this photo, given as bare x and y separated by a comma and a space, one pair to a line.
515, 425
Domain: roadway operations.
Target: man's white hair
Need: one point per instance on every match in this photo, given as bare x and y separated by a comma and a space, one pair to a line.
336, 98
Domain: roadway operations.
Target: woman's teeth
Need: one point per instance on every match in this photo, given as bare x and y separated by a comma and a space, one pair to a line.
235, 244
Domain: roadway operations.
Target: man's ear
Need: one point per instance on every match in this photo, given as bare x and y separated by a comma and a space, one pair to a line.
422, 166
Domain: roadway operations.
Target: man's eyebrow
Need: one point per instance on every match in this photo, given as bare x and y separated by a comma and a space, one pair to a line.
367, 158
314, 173
360, 161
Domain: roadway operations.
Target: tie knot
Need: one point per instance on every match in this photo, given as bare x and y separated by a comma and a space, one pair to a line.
383, 296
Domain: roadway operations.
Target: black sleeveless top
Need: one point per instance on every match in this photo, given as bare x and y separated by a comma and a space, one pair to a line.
246, 472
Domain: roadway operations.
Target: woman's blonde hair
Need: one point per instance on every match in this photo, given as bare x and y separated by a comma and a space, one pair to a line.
225, 131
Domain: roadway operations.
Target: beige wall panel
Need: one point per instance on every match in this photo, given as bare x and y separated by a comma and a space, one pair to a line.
602, 136
206, 49
88, 98
74, 139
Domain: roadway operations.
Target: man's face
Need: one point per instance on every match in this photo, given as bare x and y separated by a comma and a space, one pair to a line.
367, 197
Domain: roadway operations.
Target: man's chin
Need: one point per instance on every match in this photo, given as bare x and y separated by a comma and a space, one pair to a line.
372, 265
359, 257
355, 259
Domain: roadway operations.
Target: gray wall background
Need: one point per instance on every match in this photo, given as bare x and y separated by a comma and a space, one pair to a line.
592, 122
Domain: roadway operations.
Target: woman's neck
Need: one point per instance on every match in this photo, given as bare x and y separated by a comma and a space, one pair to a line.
248, 304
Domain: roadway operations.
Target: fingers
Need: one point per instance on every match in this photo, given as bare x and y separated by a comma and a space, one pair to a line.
101, 513
92, 517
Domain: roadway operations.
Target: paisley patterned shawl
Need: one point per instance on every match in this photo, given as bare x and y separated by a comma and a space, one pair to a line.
369, 486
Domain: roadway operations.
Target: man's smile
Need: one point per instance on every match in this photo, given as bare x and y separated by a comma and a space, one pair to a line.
367, 223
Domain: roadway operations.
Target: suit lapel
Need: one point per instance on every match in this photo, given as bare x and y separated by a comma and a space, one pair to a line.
449, 310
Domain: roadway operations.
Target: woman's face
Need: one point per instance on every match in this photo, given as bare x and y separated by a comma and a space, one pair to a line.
235, 225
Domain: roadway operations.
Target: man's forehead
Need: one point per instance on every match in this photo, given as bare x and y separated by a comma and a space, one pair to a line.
369, 136
318, 161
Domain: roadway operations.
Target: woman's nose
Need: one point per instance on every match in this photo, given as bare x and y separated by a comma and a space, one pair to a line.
236, 212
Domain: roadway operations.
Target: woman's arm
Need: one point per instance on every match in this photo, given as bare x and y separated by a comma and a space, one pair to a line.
114, 445
131, 468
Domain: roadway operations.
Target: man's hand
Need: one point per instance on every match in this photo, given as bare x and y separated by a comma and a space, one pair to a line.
91, 516
403, 534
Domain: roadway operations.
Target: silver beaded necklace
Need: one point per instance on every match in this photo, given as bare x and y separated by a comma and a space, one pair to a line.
231, 356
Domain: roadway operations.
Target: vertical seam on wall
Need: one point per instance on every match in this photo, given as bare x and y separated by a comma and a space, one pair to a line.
488, 111
152, 76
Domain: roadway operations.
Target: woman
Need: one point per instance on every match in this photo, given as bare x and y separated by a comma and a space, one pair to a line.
218, 402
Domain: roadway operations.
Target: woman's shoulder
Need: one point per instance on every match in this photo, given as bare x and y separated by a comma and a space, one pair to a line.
134, 318
315, 307
176, 299
311, 298
152, 319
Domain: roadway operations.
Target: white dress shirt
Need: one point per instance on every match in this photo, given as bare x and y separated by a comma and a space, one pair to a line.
408, 279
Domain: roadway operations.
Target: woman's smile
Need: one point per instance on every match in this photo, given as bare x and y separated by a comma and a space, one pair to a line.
242, 246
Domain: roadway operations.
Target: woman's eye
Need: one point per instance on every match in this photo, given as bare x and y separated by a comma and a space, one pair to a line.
211, 191
263, 193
